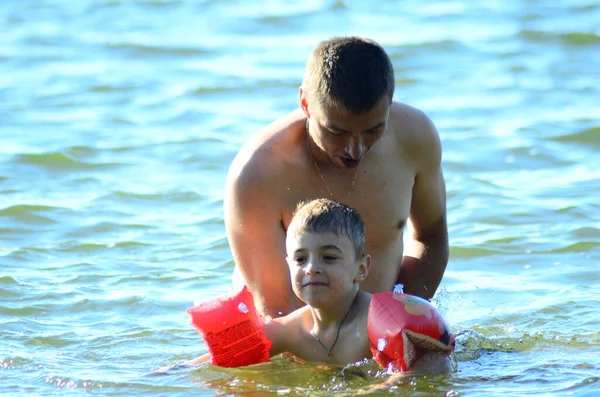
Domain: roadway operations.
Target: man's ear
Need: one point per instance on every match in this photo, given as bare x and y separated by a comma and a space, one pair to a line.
304, 103
363, 269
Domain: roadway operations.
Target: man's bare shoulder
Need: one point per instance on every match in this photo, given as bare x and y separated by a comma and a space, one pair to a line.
410, 123
416, 135
264, 153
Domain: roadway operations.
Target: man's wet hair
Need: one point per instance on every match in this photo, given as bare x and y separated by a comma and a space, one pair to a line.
349, 73
325, 215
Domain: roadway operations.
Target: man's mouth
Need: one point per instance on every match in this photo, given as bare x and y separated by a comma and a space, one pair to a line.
349, 163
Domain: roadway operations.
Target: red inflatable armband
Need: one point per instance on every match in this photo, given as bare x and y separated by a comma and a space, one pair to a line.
402, 328
232, 329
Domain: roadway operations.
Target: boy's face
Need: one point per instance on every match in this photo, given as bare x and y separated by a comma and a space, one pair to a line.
323, 267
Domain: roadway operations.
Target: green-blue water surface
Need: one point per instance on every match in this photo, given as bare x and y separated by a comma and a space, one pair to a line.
118, 121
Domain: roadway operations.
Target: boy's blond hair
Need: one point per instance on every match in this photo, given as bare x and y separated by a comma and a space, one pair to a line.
325, 215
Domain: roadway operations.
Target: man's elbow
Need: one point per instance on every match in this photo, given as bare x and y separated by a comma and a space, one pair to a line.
434, 235
273, 307
438, 243
275, 311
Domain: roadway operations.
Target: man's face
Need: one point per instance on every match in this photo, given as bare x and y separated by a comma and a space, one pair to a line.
345, 137
323, 267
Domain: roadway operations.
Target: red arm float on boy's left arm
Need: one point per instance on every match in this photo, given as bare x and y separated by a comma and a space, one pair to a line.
402, 328
232, 330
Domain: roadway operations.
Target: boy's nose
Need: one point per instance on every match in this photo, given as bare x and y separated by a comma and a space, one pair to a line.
312, 268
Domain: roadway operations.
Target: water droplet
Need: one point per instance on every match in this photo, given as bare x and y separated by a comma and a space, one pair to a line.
243, 308
381, 344
399, 289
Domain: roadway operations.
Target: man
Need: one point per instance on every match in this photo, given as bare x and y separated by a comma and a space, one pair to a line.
351, 142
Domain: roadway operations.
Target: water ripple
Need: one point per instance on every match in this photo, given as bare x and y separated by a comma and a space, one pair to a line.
61, 161
569, 38
586, 137
149, 50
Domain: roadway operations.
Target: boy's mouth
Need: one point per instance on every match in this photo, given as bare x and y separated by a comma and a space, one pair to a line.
315, 284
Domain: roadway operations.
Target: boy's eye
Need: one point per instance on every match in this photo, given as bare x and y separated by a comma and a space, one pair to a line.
329, 258
299, 260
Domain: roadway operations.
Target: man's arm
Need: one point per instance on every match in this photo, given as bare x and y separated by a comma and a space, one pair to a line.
427, 251
257, 238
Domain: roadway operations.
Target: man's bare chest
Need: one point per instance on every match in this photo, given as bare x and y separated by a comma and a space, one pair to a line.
381, 194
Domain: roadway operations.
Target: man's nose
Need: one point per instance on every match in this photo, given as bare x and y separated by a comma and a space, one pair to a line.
356, 147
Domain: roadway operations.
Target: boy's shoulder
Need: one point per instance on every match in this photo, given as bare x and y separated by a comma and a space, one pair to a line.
285, 332
294, 318
364, 303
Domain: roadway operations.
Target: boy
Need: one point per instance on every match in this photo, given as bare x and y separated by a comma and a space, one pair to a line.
325, 253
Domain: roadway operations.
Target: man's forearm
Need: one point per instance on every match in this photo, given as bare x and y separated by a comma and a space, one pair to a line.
281, 306
267, 304
423, 267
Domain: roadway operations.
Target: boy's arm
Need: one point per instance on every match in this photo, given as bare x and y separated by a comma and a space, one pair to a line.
276, 332
205, 358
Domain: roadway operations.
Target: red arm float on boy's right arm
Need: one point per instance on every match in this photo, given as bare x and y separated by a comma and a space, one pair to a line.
402, 328
232, 330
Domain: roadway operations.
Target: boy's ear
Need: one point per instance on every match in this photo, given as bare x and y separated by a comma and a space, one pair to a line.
363, 269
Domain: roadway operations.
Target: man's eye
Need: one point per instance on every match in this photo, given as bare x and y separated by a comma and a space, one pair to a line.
336, 133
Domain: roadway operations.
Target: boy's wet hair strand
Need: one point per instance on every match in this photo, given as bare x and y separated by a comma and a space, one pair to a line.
326, 215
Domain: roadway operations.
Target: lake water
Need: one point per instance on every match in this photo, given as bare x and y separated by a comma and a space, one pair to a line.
118, 121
